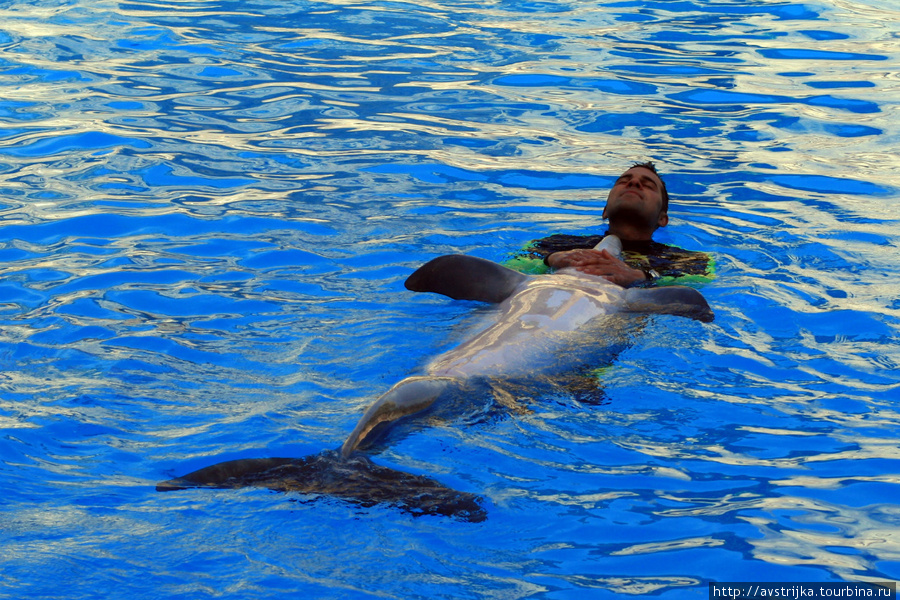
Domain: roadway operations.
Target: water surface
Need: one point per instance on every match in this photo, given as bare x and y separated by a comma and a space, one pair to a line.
208, 210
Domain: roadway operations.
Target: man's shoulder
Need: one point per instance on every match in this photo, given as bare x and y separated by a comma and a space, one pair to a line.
674, 261
669, 251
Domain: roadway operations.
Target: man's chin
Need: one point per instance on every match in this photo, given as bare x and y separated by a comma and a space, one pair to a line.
634, 218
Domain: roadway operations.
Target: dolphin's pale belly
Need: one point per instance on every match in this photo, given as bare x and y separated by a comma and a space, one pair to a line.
535, 324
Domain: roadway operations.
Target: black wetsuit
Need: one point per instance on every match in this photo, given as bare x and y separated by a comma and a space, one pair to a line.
668, 262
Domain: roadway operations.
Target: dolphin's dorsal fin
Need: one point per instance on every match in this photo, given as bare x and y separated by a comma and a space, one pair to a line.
670, 300
466, 278
611, 244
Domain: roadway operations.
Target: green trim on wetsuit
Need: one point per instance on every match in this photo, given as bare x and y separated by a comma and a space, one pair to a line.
524, 263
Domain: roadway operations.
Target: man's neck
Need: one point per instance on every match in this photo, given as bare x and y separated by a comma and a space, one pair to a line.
630, 233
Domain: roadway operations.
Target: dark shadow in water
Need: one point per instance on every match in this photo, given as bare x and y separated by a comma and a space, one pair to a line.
356, 479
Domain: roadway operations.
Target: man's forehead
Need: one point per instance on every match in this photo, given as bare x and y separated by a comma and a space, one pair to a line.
640, 172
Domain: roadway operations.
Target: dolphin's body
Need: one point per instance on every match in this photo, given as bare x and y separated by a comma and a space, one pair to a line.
545, 325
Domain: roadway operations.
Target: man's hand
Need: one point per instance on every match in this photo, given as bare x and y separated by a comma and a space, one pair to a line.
597, 262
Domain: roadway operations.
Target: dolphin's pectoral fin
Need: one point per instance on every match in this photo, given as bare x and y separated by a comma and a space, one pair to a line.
671, 300
356, 479
465, 278
410, 396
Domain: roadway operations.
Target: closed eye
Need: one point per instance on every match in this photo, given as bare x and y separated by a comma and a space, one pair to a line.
645, 181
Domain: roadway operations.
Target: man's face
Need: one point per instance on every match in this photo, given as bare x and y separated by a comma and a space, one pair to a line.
637, 197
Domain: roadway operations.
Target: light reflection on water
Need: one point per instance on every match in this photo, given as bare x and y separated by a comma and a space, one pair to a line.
208, 211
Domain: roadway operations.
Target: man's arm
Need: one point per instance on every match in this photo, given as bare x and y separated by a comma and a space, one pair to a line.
600, 263
676, 266
532, 258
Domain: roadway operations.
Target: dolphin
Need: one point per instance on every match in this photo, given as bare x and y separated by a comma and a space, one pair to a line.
545, 325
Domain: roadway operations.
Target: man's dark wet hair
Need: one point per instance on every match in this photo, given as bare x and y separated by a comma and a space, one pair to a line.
665, 193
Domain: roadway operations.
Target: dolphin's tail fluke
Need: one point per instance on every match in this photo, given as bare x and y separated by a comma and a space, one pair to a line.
346, 474
356, 479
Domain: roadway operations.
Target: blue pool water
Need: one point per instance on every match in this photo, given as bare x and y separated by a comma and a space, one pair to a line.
208, 209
